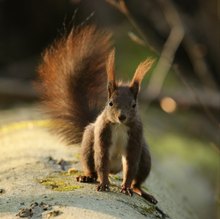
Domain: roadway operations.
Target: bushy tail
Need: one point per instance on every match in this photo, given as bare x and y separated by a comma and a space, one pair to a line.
73, 80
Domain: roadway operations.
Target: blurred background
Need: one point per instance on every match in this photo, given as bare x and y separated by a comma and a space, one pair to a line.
180, 99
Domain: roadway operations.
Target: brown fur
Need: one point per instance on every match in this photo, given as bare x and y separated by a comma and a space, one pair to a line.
110, 69
139, 74
141, 70
110, 66
73, 79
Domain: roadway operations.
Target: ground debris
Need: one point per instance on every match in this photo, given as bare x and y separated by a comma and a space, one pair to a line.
25, 212
53, 213
72, 171
63, 164
2, 191
35, 209
45, 206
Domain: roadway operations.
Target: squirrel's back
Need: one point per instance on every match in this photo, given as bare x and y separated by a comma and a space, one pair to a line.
73, 80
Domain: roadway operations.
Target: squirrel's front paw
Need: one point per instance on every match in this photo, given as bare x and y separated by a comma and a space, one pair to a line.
126, 190
86, 179
103, 187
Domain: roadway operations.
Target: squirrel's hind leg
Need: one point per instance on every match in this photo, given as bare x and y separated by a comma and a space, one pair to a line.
142, 174
87, 156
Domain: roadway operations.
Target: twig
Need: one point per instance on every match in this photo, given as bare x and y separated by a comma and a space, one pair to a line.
87, 18
206, 110
185, 97
199, 64
170, 47
121, 6
136, 38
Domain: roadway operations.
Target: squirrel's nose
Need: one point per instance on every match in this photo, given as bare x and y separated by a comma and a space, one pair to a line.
122, 117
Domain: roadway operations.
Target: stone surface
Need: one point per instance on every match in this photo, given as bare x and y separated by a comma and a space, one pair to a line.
30, 154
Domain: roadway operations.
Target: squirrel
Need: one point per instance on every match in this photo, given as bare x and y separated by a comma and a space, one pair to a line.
77, 76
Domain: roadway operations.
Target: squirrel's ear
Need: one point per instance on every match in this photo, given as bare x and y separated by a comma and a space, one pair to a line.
139, 74
110, 68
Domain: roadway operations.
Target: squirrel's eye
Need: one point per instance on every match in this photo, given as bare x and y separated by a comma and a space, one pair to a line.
110, 103
134, 105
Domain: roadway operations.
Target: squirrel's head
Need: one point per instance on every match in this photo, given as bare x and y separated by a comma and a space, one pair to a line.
122, 98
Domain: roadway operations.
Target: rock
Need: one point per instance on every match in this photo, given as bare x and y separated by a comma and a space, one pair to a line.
33, 145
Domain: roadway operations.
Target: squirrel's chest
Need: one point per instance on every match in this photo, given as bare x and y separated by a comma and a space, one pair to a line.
119, 141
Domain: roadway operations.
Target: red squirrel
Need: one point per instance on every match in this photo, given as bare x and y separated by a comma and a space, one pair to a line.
77, 75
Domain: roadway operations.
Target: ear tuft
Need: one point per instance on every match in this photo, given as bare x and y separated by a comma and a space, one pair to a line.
141, 70
110, 68
139, 74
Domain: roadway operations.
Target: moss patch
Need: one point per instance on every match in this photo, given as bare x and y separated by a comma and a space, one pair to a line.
115, 177
147, 210
60, 181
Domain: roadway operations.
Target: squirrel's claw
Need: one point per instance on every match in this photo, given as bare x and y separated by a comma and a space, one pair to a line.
126, 190
145, 195
103, 187
86, 179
